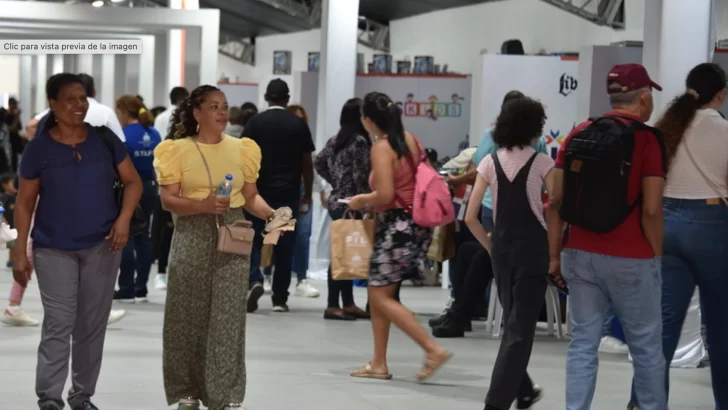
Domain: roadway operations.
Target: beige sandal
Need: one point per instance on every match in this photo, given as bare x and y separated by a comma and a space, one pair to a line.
367, 372
431, 367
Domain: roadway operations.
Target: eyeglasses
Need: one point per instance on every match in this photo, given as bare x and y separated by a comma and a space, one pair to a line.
76, 155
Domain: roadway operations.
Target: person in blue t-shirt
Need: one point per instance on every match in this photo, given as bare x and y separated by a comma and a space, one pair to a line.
141, 139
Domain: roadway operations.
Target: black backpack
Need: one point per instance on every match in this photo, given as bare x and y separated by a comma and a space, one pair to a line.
597, 167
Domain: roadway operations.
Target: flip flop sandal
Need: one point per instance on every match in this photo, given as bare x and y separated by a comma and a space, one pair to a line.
559, 283
431, 367
367, 372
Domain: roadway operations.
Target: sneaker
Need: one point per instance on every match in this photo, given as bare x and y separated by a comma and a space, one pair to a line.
87, 405
440, 320
116, 315
268, 284
451, 327
611, 344
49, 407
525, 403
18, 317
188, 404
122, 299
304, 289
280, 308
254, 295
141, 299
160, 281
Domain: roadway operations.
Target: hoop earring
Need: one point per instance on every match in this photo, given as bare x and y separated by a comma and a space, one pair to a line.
198, 128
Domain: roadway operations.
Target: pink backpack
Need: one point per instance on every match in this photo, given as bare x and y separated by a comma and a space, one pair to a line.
432, 205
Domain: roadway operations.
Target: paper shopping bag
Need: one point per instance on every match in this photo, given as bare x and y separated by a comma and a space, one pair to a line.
266, 256
442, 247
352, 242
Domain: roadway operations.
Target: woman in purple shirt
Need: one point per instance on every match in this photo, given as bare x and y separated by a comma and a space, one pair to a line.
78, 233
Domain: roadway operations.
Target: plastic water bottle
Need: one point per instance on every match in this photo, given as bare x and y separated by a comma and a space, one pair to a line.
226, 187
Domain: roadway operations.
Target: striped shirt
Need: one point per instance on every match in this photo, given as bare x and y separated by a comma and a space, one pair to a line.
512, 162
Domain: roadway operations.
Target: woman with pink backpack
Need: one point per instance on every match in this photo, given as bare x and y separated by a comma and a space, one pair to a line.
409, 198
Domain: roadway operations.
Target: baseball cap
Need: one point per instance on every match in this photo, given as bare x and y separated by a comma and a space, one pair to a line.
277, 89
624, 78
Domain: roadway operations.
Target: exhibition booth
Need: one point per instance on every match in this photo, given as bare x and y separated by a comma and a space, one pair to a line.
238, 94
436, 108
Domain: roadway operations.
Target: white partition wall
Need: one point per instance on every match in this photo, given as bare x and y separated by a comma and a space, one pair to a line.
596, 61
550, 79
594, 65
238, 94
435, 108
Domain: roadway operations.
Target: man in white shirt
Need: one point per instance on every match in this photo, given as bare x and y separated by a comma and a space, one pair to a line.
98, 114
161, 123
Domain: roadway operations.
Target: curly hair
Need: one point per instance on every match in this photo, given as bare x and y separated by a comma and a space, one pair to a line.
520, 121
182, 122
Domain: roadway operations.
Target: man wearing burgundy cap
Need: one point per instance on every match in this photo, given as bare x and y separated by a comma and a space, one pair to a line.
618, 270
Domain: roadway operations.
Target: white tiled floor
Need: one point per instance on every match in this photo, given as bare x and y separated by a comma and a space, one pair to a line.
298, 361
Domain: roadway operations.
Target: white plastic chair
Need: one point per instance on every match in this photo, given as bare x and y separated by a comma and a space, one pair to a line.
553, 313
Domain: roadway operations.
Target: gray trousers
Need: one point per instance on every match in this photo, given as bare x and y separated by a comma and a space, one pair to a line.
77, 289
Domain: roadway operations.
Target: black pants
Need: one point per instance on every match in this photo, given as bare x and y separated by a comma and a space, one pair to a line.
474, 271
162, 231
282, 256
520, 273
345, 288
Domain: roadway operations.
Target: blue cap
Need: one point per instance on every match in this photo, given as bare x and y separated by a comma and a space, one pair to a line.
229, 177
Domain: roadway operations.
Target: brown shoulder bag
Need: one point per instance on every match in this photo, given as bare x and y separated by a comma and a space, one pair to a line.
235, 238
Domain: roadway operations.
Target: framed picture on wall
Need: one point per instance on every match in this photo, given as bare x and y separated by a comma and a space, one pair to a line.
314, 61
282, 63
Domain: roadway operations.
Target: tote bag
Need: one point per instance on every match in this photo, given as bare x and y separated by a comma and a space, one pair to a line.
352, 243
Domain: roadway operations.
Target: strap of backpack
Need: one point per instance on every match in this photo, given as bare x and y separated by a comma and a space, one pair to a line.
398, 199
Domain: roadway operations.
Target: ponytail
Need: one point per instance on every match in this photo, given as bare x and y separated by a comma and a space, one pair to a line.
703, 84
676, 120
145, 117
387, 116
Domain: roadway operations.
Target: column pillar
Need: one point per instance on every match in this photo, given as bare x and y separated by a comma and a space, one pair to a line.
677, 38
146, 70
85, 64
336, 78
337, 74
26, 88
57, 64
176, 43
41, 77
106, 92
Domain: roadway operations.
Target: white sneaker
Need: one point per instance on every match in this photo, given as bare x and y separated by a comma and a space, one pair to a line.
610, 344
268, 284
116, 315
18, 318
304, 289
141, 300
160, 281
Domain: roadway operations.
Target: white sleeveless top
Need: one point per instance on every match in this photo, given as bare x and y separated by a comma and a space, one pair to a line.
707, 140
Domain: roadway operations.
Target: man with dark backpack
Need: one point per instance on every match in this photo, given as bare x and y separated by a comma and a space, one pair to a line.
608, 182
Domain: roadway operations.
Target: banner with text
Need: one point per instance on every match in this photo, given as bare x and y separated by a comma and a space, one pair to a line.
549, 79
434, 108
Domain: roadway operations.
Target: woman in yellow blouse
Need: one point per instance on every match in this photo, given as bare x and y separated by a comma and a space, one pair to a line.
204, 318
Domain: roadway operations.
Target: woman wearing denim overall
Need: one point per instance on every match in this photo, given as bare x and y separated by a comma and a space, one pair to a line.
518, 245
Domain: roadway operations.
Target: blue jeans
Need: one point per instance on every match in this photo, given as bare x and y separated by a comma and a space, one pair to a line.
138, 256
696, 245
304, 225
632, 288
282, 256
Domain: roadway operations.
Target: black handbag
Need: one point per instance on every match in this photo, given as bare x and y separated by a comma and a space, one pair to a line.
139, 221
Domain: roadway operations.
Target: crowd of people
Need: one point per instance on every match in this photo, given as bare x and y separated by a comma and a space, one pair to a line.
627, 227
